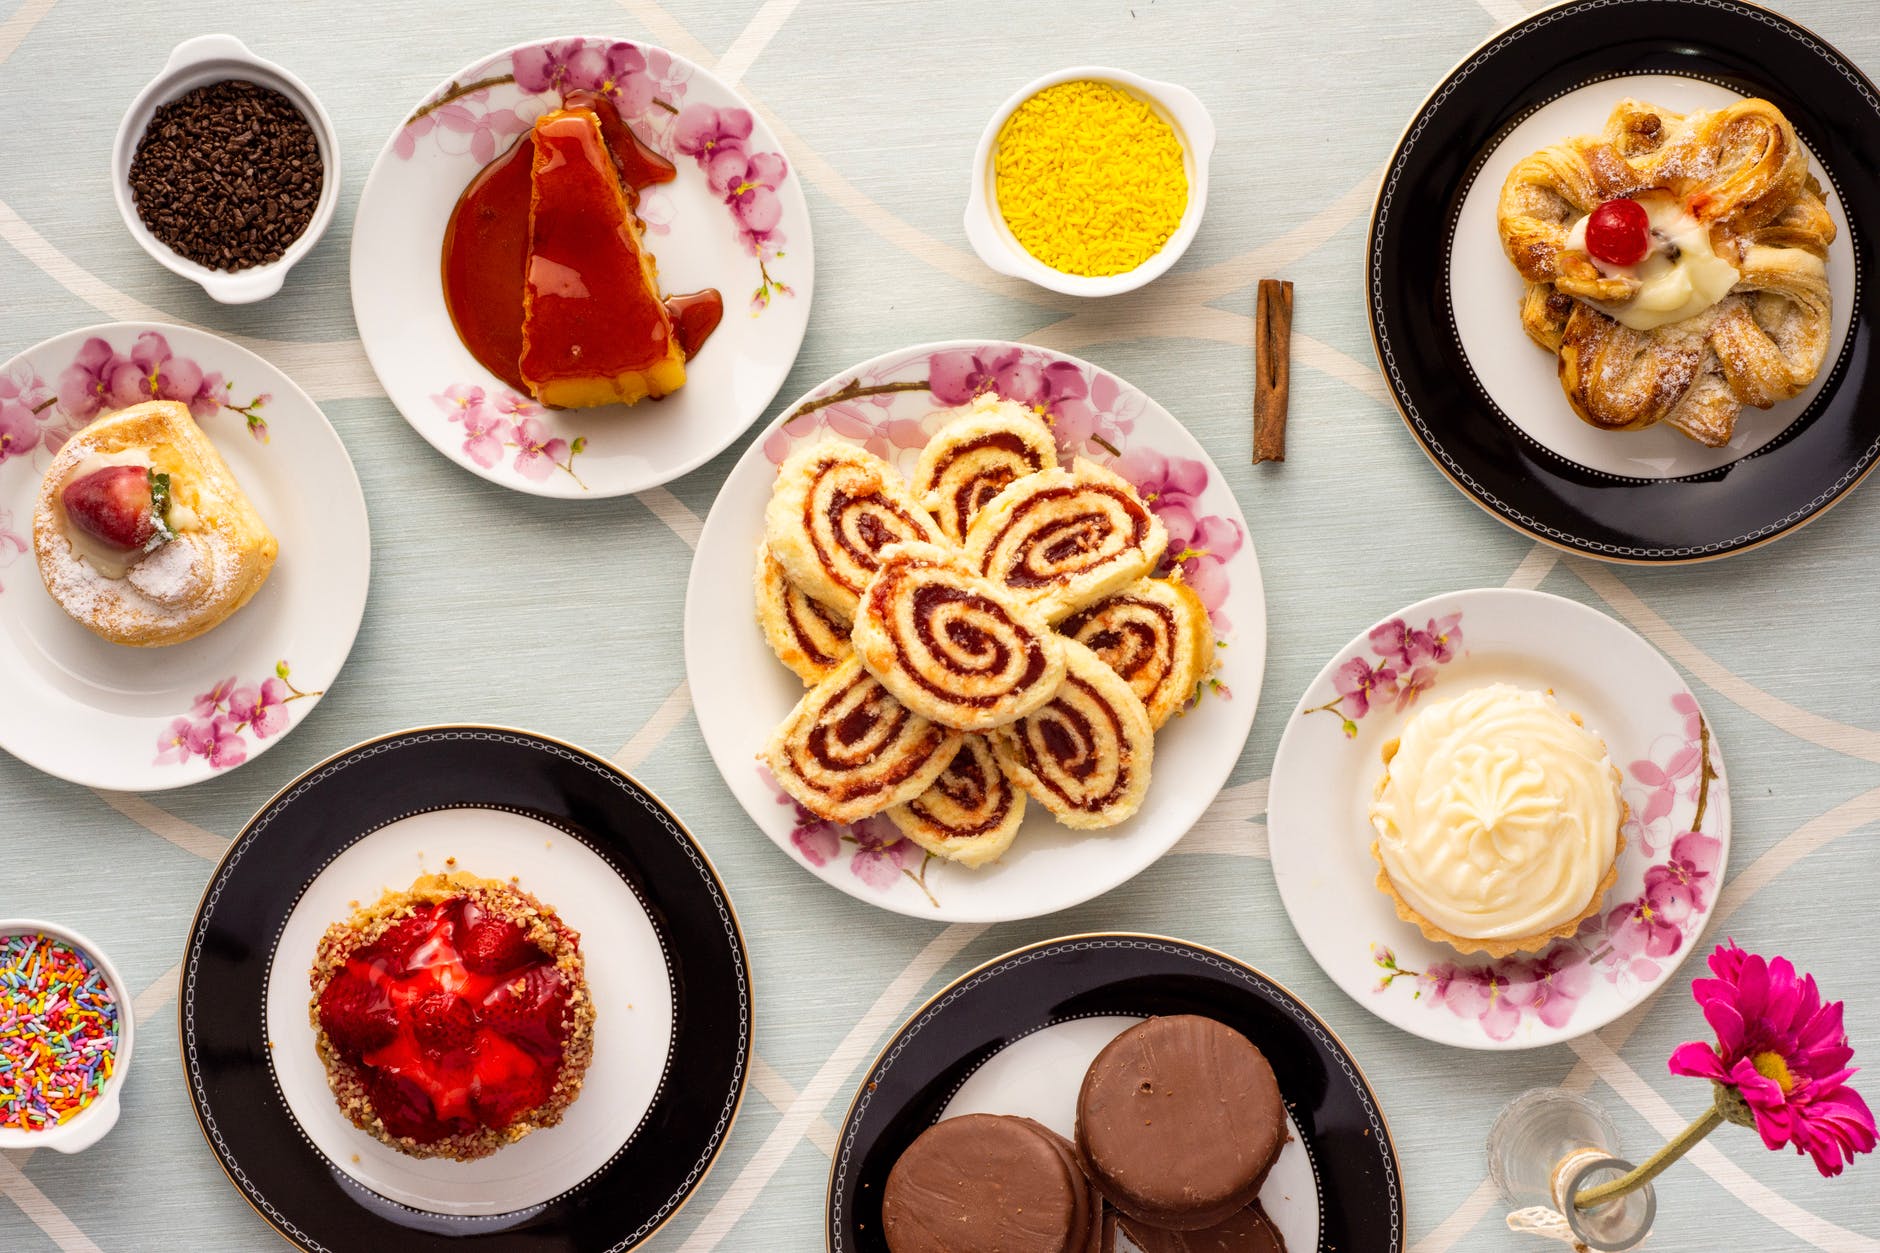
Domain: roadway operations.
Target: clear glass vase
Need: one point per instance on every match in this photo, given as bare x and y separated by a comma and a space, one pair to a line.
1546, 1146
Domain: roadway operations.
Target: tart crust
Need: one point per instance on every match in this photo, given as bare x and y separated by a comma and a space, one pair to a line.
504, 900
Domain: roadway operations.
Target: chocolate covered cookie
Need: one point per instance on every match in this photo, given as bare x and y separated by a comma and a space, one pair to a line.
987, 1183
1243, 1231
1178, 1121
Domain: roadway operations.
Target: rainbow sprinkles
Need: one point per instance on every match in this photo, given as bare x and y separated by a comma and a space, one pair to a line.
58, 1032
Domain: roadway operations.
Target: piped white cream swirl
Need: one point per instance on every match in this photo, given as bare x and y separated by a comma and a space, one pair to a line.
1499, 814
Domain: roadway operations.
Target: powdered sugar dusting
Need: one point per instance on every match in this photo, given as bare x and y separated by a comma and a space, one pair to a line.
175, 572
118, 606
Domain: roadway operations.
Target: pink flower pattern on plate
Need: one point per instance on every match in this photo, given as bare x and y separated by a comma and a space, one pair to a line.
1627, 944
1086, 414
879, 855
1088, 411
101, 379
507, 420
648, 89
1406, 666
718, 140
1199, 543
216, 727
12, 545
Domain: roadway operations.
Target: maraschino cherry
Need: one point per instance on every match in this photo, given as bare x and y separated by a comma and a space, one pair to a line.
1619, 233
113, 506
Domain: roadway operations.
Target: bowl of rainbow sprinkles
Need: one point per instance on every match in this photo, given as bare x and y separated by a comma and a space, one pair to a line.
65, 1038
1090, 181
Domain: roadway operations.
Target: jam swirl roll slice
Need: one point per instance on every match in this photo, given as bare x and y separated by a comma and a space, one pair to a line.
1064, 539
849, 749
953, 646
977, 455
1085, 755
972, 812
807, 635
1155, 633
834, 507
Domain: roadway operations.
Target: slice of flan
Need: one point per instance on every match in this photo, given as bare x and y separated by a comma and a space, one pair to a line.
594, 329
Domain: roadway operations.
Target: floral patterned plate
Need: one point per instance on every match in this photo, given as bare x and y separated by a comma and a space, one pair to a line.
735, 219
145, 719
890, 405
1677, 830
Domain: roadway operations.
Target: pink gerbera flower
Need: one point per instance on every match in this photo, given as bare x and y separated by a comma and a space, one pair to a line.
1784, 1052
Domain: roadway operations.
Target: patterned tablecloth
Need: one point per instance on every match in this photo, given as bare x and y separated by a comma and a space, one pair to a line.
492, 606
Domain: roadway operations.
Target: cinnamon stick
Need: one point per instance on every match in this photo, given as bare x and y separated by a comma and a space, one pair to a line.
1272, 347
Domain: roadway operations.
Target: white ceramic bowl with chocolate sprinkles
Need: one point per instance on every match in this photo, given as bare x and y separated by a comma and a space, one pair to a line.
226, 169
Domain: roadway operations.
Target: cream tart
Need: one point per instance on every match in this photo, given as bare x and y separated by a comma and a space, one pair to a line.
1497, 821
453, 1018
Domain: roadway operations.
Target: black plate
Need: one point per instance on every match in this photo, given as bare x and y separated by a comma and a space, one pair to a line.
1781, 486
341, 801
1008, 998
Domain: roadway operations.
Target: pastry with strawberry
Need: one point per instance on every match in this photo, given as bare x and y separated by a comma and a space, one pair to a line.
142, 533
453, 1018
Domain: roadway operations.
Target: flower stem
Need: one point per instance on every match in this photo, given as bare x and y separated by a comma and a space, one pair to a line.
457, 92
1653, 1166
853, 390
1704, 773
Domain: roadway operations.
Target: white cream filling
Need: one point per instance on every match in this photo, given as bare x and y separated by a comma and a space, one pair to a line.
1499, 816
1680, 278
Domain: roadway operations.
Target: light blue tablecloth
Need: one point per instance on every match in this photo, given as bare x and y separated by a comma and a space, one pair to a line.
480, 596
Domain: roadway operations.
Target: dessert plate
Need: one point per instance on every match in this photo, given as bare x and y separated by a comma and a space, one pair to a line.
735, 219
1677, 830
741, 691
1485, 403
1016, 1035
145, 719
666, 965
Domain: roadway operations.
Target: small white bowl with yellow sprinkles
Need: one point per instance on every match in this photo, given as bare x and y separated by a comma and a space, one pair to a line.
1090, 181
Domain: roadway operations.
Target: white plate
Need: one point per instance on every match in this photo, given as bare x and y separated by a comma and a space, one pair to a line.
741, 691
630, 1054
145, 719
1669, 873
697, 233
1522, 380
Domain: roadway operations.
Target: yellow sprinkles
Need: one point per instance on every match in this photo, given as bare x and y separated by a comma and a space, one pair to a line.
1090, 178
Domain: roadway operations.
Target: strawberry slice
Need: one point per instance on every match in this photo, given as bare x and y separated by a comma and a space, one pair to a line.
502, 1097
444, 1022
355, 1015
496, 945
113, 506
530, 1009
406, 1110
396, 946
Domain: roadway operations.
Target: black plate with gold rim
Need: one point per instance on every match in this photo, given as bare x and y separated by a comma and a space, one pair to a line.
1055, 983
1806, 455
666, 967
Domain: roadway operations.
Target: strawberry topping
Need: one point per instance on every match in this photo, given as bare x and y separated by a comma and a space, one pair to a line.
356, 1015
454, 1016
113, 506
496, 945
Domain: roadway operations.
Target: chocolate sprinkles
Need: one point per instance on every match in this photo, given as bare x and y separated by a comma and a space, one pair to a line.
228, 175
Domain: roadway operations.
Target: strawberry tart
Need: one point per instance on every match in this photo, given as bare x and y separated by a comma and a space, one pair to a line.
453, 1018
